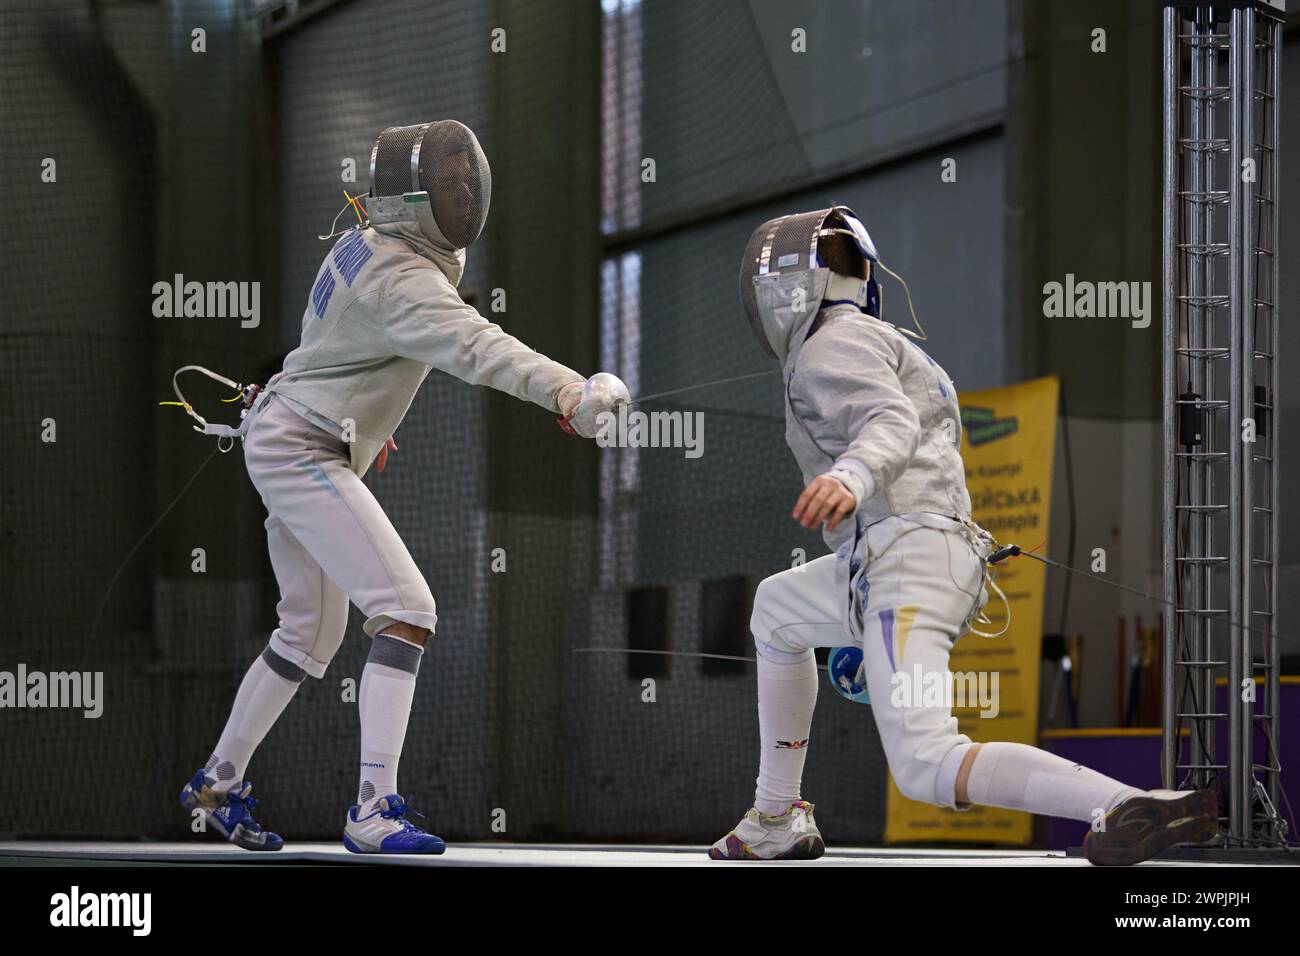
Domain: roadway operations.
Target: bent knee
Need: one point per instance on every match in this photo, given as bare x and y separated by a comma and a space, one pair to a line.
408, 632
916, 780
764, 618
771, 645
924, 779
312, 650
410, 620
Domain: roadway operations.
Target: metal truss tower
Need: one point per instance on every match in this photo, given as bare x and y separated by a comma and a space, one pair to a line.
1221, 686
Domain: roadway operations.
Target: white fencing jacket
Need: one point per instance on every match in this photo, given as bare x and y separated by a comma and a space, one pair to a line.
382, 312
864, 398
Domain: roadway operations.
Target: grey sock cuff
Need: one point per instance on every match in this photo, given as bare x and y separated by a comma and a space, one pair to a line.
286, 669
395, 653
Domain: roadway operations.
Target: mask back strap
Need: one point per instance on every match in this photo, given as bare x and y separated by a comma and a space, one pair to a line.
919, 334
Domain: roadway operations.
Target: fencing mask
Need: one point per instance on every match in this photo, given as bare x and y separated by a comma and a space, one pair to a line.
434, 174
783, 280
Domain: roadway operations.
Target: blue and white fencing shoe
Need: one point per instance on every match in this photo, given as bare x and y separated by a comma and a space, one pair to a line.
385, 829
229, 814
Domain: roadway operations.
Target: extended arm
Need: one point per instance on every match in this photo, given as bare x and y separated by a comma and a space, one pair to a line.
426, 320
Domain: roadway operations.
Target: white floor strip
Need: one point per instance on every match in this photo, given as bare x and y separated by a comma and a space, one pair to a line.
517, 855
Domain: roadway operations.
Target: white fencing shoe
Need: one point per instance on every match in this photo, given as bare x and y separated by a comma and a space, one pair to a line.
792, 835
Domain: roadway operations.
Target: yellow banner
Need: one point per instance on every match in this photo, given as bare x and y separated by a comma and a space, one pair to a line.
1008, 440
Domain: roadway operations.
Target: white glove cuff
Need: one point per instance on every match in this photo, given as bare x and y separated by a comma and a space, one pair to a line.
855, 477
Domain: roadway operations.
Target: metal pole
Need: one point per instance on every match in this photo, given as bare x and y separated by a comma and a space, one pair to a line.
1237, 758
1207, 325
1199, 267
1169, 274
1274, 695
1249, 289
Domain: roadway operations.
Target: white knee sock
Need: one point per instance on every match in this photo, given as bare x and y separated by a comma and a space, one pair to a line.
384, 701
1020, 777
266, 690
786, 696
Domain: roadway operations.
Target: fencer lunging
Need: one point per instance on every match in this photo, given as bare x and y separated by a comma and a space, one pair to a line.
874, 425
382, 312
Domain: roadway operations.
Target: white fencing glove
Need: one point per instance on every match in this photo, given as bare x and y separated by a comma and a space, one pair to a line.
601, 393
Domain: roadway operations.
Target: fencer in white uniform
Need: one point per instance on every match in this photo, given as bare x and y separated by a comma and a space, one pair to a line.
874, 424
382, 312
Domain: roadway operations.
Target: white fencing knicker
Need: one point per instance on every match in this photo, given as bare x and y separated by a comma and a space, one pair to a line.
329, 540
917, 590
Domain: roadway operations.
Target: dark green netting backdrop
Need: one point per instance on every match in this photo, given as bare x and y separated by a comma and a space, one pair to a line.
225, 165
